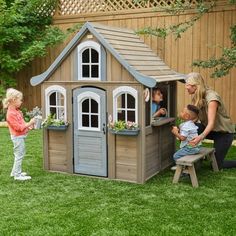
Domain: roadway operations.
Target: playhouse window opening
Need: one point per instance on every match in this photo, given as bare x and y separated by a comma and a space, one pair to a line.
167, 93
90, 64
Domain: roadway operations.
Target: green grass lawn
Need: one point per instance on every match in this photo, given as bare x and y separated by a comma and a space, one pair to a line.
63, 204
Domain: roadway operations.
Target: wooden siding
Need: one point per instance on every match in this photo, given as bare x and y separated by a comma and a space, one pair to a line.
152, 159
159, 149
199, 42
57, 151
126, 158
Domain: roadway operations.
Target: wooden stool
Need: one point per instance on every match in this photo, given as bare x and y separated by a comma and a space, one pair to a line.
186, 164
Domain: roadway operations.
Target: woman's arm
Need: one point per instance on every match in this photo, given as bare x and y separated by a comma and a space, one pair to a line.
212, 109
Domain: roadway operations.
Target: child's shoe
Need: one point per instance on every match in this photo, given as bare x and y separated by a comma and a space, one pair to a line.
22, 177
173, 168
22, 173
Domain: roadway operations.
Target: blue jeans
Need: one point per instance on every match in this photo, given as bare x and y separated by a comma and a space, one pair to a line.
222, 143
19, 153
186, 150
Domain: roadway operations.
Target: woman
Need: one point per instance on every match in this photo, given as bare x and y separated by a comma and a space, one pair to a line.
215, 123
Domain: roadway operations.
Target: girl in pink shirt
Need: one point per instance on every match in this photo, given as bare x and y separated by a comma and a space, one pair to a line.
18, 130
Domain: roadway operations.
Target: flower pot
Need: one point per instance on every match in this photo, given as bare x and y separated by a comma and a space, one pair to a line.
55, 127
127, 132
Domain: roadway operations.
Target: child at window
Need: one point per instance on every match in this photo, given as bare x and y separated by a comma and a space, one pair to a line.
18, 130
186, 132
157, 97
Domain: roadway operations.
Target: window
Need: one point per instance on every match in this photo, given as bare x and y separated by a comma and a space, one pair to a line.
89, 111
89, 65
56, 101
168, 96
125, 102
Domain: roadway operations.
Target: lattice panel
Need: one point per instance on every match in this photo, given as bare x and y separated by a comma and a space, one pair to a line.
73, 7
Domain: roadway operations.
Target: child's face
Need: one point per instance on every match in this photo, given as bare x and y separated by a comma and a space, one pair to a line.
157, 96
17, 102
184, 114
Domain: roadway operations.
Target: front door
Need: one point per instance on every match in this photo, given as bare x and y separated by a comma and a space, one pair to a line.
89, 112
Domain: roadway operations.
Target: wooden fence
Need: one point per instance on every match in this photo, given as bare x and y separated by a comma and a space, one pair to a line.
203, 41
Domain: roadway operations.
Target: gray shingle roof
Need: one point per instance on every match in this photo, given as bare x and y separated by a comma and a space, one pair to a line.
127, 48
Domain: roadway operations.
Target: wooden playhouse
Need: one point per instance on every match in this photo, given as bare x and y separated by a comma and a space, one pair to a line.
103, 72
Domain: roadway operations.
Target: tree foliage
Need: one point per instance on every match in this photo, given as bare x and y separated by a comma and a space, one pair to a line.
25, 33
221, 65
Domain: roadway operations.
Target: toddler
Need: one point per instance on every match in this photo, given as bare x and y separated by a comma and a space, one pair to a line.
187, 131
18, 130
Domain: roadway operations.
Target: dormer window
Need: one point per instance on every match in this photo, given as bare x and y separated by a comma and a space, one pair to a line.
89, 55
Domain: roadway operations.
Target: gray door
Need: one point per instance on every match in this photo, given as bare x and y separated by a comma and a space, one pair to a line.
89, 112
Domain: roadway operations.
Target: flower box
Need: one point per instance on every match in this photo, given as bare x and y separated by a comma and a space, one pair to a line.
56, 127
127, 132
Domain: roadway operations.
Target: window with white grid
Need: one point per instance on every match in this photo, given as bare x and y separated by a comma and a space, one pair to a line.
89, 61
125, 104
56, 102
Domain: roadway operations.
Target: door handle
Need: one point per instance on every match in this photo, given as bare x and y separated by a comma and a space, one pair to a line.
104, 128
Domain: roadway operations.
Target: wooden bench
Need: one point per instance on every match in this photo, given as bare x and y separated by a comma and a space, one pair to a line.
186, 164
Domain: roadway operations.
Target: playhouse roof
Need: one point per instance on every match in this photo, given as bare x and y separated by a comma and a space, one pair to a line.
141, 62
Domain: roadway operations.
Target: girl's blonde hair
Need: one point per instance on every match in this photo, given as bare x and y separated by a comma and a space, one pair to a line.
196, 79
11, 95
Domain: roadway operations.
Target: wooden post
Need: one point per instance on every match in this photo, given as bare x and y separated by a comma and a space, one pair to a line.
178, 172
213, 161
193, 176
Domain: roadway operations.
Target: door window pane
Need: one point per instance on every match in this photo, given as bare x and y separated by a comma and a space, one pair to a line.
85, 120
94, 121
94, 106
85, 105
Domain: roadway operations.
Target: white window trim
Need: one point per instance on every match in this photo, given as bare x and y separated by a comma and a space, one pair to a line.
48, 92
80, 98
121, 90
83, 46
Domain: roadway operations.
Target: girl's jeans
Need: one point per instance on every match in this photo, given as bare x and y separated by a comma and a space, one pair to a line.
19, 153
186, 150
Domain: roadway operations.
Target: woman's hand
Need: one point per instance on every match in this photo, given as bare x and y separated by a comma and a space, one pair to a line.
195, 141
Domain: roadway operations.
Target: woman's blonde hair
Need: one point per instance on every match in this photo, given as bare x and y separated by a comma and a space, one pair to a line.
196, 79
11, 95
